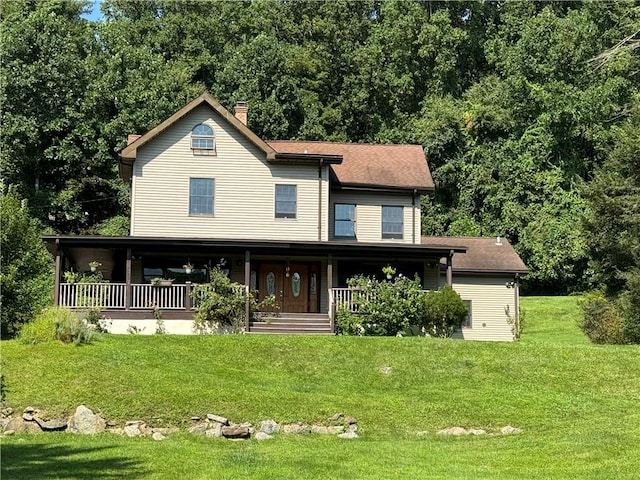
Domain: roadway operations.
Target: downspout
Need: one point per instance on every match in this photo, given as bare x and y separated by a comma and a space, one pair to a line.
320, 200
413, 215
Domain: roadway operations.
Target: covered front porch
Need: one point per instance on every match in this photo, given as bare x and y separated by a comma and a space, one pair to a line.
137, 276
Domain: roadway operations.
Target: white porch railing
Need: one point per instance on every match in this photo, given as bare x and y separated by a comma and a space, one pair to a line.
171, 297
113, 296
92, 295
345, 298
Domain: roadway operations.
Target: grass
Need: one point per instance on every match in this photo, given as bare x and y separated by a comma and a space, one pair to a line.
576, 402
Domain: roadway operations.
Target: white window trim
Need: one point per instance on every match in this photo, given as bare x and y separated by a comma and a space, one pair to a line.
355, 218
213, 198
391, 236
212, 137
275, 202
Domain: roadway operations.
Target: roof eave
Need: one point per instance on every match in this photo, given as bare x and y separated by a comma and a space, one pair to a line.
422, 189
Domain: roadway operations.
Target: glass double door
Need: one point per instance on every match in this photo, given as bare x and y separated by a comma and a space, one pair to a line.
293, 284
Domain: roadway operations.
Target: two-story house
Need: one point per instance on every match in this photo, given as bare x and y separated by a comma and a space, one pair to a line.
285, 218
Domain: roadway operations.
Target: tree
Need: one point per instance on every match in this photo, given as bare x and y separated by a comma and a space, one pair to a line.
612, 228
26, 272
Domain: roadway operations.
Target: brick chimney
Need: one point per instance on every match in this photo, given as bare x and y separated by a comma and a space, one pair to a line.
241, 111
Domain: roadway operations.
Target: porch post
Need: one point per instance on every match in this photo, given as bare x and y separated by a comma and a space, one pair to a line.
56, 284
329, 292
247, 285
127, 288
187, 296
450, 268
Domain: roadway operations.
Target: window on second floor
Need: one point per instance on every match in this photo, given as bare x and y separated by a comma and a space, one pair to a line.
202, 138
201, 196
344, 220
392, 221
286, 201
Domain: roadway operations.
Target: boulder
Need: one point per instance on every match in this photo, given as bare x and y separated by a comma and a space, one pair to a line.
199, 428
84, 421
51, 425
269, 427
158, 436
352, 427
509, 430
132, 429
263, 436
18, 425
348, 435
217, 418
350, 420
214, 431
453, 431
296, 428
336, 417
319, 429
476, 431
235, 431
6, 412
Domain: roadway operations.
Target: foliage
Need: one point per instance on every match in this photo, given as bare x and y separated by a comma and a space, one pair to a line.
443, 312
221, 304
601, 321
348, 323
57, 323
385, 307
513, 102
95, 319
613, 223
26, 268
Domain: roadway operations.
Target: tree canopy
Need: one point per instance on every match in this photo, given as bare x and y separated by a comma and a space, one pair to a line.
517, 104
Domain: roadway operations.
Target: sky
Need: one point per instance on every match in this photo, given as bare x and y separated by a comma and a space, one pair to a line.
95, 15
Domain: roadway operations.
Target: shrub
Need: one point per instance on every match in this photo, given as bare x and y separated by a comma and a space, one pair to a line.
221, 304
443, 312
348, 323
387, 307
26, 268
601, 320
56, 323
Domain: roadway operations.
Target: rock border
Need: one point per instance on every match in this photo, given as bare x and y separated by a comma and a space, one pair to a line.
85, 421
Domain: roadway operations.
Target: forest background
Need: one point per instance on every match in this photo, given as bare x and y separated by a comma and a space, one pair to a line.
518, 105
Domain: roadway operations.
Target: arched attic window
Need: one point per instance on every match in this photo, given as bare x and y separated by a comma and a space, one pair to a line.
203, 139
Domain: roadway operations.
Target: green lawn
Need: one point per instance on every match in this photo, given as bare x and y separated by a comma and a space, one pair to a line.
577, 403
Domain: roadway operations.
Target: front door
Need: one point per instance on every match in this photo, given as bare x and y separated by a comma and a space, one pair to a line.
288, 282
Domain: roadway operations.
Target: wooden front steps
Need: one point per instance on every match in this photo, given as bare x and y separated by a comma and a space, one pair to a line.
293, 324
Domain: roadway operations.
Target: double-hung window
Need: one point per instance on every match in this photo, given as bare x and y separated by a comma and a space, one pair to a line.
392, 221
286, 201
201, 196
344, 220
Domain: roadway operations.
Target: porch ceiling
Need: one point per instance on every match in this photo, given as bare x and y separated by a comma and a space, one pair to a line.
193, 245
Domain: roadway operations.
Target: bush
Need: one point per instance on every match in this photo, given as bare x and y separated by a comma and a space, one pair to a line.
221, 304
26, 268
443, 312
56, 323
385, 308
348, 323
601, 319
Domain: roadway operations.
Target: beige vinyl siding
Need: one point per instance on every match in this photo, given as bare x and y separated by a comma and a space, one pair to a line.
244, 193
489, 297
369, 215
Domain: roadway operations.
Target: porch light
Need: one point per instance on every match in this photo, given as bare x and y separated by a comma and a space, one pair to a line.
188, 268
287, 270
